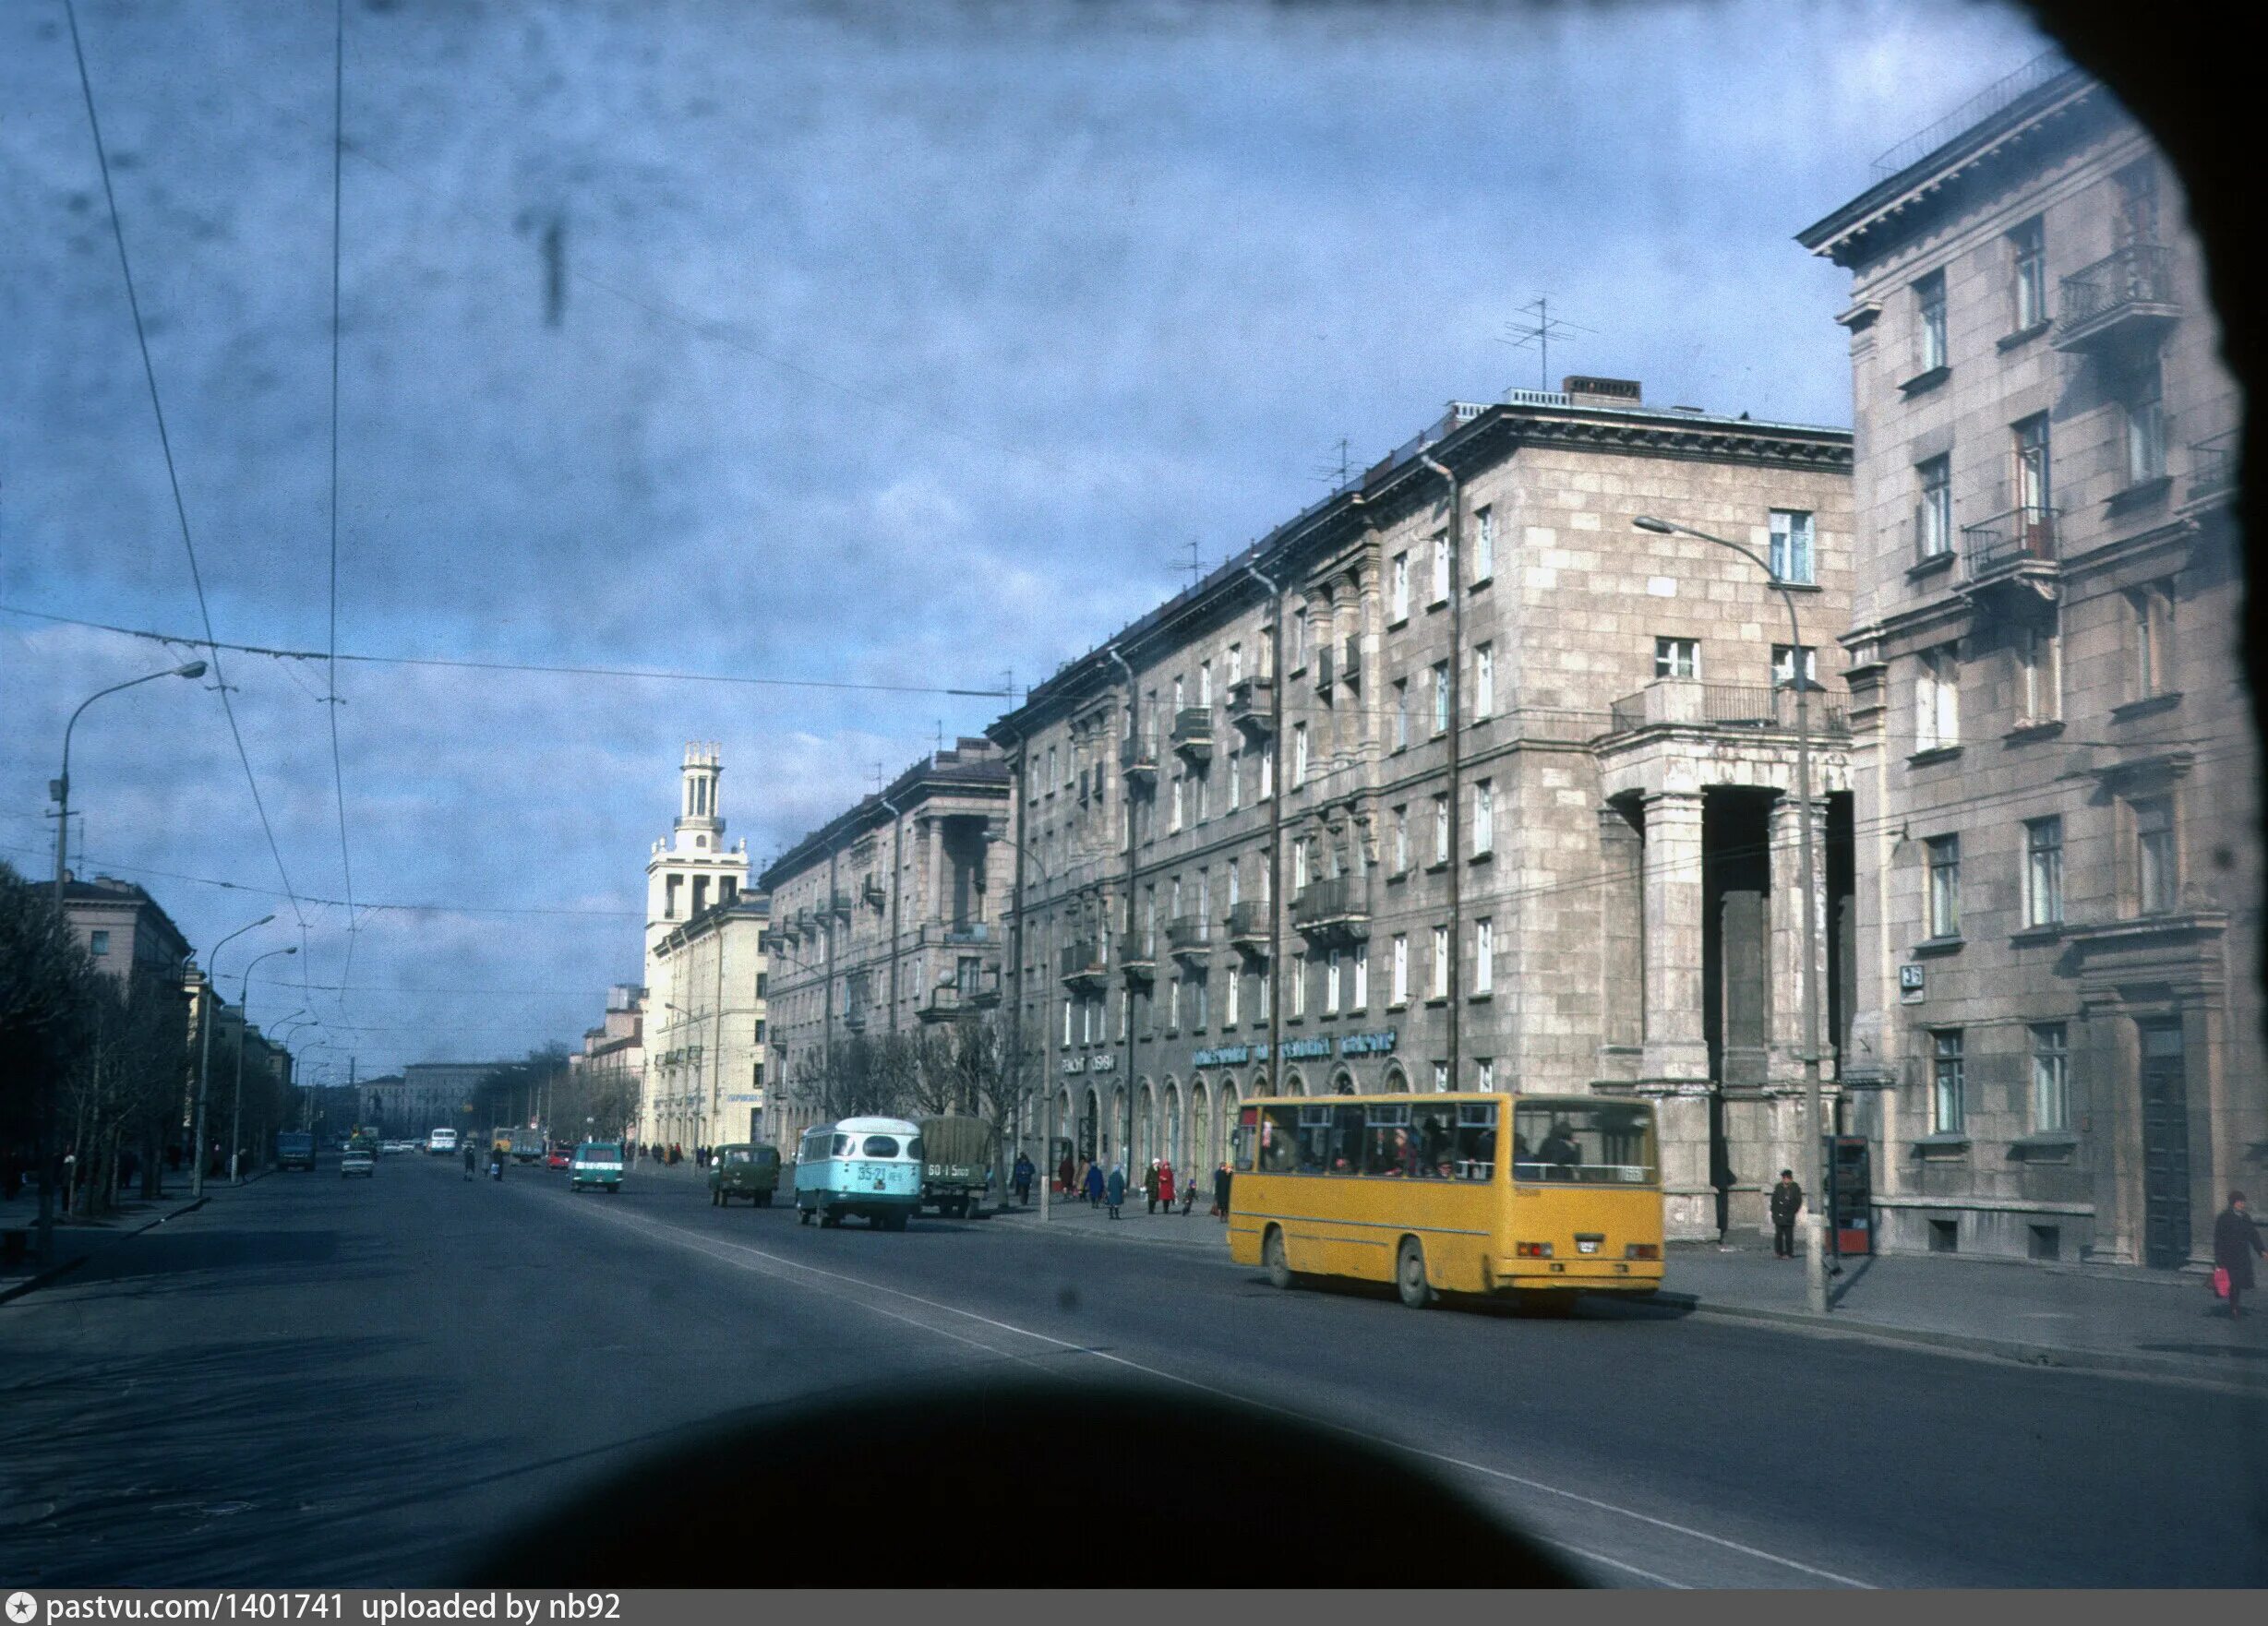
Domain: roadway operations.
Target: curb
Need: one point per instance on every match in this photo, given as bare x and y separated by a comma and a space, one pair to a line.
1031, 1219
2006, 1349
56, 1272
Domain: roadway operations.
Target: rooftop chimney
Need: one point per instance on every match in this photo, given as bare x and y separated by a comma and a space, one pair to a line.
1584, 390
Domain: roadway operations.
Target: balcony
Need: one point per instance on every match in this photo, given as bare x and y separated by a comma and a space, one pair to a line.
1083, 966
872, 890
1351, 659
1334, 910
854, 1017
1685, 702
1252, 704
2212, 470
1193, 734
1190, 937
2015, 551
838, 905
1137, 760
1248, 929
2125, 297
951, 1001
1137, 957
959, 935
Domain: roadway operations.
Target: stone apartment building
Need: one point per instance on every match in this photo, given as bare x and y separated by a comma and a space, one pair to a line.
1458, 778
613, 1057
2057, 1036
887, 918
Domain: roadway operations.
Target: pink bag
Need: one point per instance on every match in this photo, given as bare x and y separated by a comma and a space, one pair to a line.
2220, 1281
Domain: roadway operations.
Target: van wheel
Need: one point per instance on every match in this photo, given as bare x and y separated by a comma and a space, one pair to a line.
803, 1214
1410, 1275
1273, 1257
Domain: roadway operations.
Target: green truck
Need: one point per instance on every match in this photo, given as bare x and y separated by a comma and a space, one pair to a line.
957, 1152
750, 1170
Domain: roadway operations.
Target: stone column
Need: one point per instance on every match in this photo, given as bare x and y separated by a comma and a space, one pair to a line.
1622, 946
1785, 1068
1674, 1062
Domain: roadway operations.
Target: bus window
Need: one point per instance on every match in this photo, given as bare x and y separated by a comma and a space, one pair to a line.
1474, 1153
841, 1146
1279, 1131
913, 1149
880, 1146
1433, 1146
1247, 1136
1315, 1141
1593, 1143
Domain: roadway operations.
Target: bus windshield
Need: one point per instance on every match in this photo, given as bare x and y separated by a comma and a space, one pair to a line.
1588, 1142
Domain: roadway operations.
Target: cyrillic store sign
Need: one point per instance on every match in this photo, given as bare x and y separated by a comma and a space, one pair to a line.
1380, 1043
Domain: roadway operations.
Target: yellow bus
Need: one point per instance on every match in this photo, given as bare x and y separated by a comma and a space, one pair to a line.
1419, 1190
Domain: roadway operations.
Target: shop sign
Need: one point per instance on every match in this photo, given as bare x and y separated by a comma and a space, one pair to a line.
1377, 1044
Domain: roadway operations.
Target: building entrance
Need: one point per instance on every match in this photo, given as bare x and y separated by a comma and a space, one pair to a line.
2165, 1146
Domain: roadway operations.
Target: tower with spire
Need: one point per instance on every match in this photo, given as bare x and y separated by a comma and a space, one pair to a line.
692, 870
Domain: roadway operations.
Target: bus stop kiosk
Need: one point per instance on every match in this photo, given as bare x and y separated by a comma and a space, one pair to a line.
1849, 1162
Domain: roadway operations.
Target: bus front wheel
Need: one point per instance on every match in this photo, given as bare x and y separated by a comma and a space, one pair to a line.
1410, 1275
1273, 1257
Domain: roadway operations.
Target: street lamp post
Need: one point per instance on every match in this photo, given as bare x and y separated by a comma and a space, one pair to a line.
1815, 1256
236, 1116
62, 789
204, 1057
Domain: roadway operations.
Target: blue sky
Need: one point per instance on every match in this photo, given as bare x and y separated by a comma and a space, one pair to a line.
899, 345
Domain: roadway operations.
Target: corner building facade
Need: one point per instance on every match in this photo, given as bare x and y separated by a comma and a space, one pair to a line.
1457, 779
2056, 1044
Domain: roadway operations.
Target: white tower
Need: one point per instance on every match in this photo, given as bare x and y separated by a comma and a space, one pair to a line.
693, 870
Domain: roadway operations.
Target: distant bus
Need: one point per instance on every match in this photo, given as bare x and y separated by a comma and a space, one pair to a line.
1531, 1196
442, 1142
861, 1165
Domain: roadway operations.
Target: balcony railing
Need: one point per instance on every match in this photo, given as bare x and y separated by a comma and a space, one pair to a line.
2128, 292
1083, 963
1337, 909
872, 890
2213, 466
948, 1001
1192, 733
1686, 702
959, 935
1248, 926
1190, 936
1137, 956
2002, 543
1137, 760
1252, 704
854, 1017
839, 904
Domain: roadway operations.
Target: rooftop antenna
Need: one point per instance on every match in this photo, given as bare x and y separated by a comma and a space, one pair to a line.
1196, 564
1339, 468
939, 735
1538, 334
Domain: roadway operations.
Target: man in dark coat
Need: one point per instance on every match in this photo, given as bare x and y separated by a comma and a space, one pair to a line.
1787, 1203
1024, 1172
1220, 1191
2234, 1240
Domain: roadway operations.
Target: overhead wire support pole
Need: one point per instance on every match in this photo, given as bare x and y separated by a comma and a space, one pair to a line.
338, 773
1276, 816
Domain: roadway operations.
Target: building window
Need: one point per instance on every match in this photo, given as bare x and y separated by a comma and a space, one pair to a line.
1947, 1084
1262, 993
1483, 1072
1677, 657
2034, 487
2044, 872
1933, 514
2157, 866
1236, 665
1784, 666
1483, 680
1944, 858
1201, 989
1236, 781
2150, 614
1401, 713
1204, 683
1937, 700
2028, 257
1299, 755
1299, 866
1441, 696
1929, 323
1299, 640
1483, 545
1330, 985
1441, 830
1483, 817
1402, 840
1362, 980
1792, 554
1441, 1077
98, 942
2051, 1078
2143, 406
1198, 786
1440, 568
1400, 589
1066, 1024
1399, 983
1299, 985
1441, 962
2039, 669
1267, 771
1177, 803
1174, 1005
1231, 999
1484, 956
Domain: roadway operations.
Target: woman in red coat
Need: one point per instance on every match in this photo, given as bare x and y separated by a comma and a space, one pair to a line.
1165, 1185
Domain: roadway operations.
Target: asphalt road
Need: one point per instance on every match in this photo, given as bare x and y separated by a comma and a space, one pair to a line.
319, 1381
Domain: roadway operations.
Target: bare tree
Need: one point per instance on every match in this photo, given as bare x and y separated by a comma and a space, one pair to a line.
46, 984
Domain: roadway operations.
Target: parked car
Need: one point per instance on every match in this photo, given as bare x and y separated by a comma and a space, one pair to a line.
749, 1171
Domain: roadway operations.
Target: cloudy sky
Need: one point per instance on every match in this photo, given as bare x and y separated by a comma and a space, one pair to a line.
897, 346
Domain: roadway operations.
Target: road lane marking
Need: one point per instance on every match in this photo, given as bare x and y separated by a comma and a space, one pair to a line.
639, 1222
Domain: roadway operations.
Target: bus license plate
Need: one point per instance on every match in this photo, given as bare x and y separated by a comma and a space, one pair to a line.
1587, 1244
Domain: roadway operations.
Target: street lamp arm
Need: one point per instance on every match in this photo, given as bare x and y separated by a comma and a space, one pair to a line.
1795, 640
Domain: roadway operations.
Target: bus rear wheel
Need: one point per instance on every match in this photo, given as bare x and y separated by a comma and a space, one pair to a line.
1273, 1257
1410, 1275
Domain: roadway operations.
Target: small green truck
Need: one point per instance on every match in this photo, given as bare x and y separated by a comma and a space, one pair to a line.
956, 1163
748, 1170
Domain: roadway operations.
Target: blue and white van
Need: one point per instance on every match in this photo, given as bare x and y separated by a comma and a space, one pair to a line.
863, 1165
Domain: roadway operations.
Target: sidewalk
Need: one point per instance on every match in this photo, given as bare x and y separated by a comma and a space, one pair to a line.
2160, 1323
76, 1241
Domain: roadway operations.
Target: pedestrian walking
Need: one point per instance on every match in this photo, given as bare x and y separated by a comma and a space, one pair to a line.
1150, 1185
1116, 1189
472, 1163
1165, 1185
1024, 1172
1787, 1203
1093, 1185
1066, 1174
2235, 1241
1220, 1191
